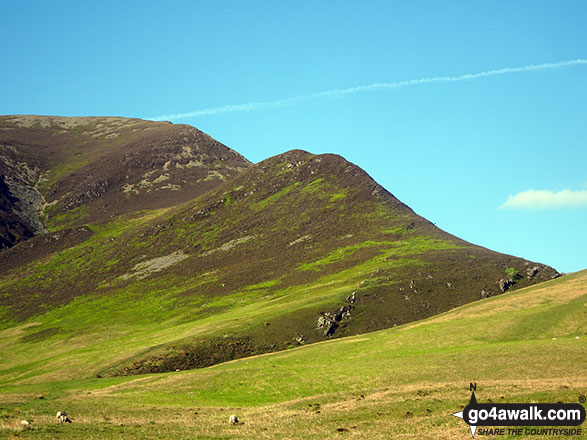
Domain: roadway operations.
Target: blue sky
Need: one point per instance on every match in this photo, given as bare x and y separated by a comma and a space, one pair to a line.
455, 151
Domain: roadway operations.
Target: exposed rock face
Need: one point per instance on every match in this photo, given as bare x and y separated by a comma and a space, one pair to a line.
330, 321
12, 227
504, 284
532, 271
327, 322
20, 200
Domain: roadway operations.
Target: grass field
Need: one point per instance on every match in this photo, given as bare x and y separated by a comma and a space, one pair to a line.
405, 382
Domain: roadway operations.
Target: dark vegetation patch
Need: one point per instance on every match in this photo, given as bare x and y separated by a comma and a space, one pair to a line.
40, 247
41, 335
185, 357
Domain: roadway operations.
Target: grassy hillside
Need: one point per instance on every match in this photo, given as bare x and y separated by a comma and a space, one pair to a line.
528, 345
296, 249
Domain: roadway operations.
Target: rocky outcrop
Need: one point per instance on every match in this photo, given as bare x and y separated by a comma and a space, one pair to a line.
532, 271
485, 293
504, 284
328, 322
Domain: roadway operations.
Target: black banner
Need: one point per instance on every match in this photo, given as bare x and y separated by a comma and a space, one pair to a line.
524, 414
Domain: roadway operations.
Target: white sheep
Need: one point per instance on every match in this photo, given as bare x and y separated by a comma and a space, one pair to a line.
62, 417
25, 424
233, 420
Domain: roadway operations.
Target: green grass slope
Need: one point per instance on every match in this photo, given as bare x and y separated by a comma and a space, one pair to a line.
401, 383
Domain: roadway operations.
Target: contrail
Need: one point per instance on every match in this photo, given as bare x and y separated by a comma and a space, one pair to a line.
375, 86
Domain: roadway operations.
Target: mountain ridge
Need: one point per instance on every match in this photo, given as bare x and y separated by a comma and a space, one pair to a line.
295, 249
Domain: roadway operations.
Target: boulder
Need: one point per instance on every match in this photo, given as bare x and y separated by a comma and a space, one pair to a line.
352, 297
532, 271
504, 284
62, 417
485, 293
327, 322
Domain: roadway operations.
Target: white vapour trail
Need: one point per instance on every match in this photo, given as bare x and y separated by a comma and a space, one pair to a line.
375, 86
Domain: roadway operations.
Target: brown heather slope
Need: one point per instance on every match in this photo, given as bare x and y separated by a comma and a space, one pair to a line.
295, 249
58, 172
